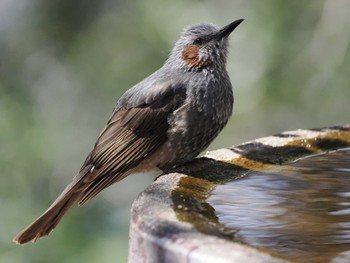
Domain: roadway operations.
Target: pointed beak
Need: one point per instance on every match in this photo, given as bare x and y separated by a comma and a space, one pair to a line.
226, 30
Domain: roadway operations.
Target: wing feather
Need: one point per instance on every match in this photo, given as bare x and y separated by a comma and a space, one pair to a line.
132, 134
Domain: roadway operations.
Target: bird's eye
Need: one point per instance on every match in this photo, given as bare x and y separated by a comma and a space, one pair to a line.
198, 41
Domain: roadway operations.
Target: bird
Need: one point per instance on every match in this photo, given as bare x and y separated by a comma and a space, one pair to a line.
164, 121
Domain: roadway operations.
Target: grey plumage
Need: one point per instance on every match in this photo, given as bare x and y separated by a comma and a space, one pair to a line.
165, 120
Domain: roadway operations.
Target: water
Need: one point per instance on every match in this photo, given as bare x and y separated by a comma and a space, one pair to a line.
299, 211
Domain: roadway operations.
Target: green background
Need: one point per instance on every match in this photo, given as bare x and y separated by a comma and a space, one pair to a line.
64, 64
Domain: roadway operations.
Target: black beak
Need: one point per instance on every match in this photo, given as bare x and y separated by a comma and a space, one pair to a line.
226, 30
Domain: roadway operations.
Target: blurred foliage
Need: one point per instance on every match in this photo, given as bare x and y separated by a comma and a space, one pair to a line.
64, 64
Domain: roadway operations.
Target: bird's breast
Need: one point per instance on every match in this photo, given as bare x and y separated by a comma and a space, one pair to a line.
194, 125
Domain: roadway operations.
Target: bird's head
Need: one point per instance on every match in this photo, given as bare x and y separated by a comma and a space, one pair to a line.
202, 46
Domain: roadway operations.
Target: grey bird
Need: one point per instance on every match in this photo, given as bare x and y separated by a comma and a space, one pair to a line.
164, 121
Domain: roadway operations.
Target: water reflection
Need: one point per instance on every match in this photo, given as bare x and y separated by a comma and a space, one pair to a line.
299, 211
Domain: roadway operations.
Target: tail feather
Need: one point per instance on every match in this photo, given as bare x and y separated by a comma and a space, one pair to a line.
49, 219
52, 216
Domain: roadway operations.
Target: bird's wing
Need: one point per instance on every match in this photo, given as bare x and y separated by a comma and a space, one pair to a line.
132, 134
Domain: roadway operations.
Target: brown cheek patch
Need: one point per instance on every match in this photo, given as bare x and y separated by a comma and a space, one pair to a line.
191, 55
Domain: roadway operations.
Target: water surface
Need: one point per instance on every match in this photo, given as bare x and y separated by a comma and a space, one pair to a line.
299, 211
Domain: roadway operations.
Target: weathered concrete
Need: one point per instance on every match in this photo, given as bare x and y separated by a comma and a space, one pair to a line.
171, 220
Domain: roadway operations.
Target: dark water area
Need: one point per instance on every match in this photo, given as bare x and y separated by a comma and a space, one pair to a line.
300, 211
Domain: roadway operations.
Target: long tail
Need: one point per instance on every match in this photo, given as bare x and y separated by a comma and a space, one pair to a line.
51, 217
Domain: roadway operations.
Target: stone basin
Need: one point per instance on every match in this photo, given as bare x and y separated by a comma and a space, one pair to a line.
246, 203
